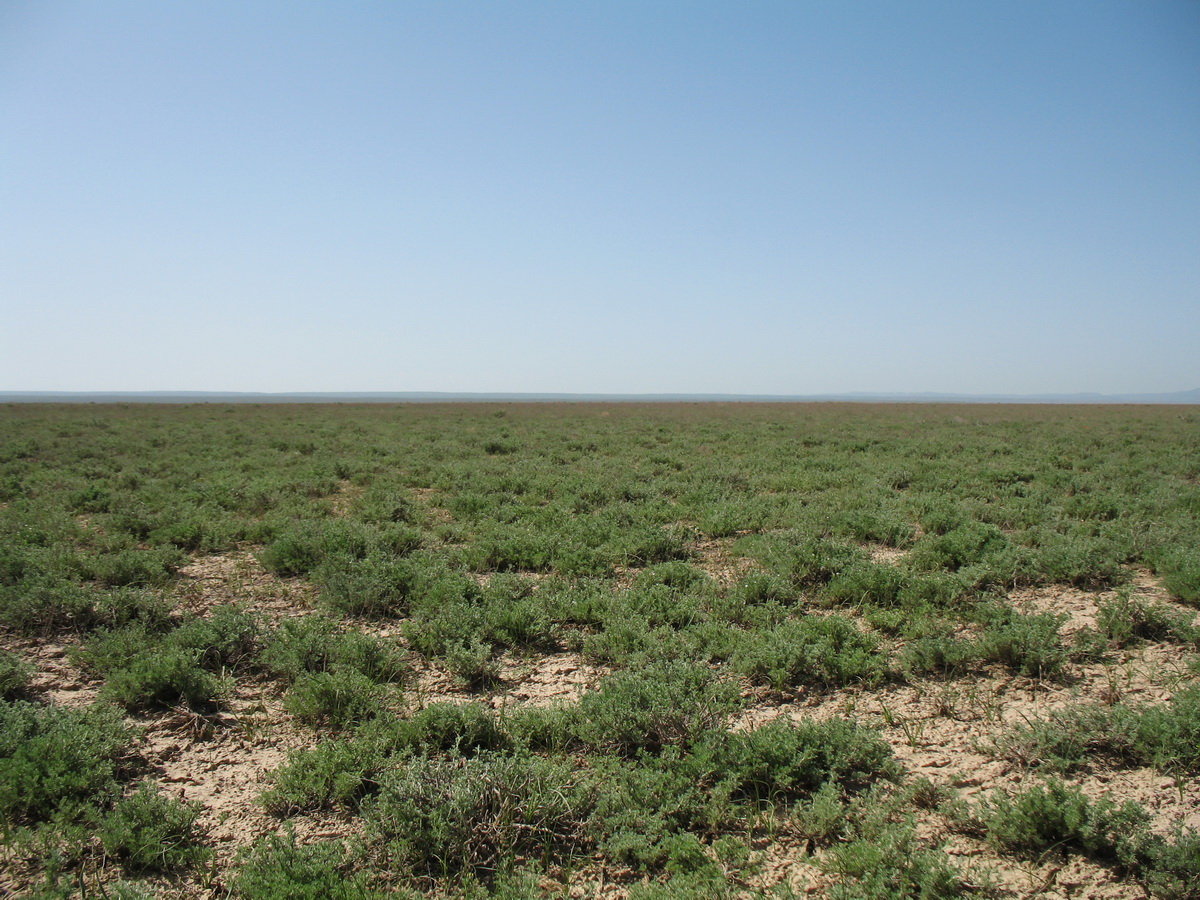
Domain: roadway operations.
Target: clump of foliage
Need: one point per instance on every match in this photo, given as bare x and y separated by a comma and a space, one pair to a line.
57, 762
814, 650
15, 675
441, 817
150, 832
276, 867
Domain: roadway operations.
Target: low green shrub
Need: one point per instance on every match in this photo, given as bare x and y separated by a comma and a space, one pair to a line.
375, 585
965, 545
335, 773
813, 650
1171, 868
782, 761
1028, 644
1125, 618
667, 703
164, 677
1179, 569
473, 663
314, 643
133, 567
446, 817
56, 761
866, 584
461, 729
808, 563
1055, 817
883, 859
276, 867
15, 675
342, 698
227, 639
1165, 736
150, 832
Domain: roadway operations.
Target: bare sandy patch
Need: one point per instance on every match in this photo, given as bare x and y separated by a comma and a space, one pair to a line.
238, 577
715, 557
885, 555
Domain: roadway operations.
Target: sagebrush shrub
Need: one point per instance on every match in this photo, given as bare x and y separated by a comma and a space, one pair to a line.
56, 761
150, 832
442, 817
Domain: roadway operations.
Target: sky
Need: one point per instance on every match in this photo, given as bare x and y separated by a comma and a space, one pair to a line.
600, 197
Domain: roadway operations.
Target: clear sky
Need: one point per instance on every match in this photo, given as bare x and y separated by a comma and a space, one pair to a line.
624, 197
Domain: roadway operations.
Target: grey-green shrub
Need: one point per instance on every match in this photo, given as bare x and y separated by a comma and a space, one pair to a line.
56, 761
150, 832
276, 867
442, 817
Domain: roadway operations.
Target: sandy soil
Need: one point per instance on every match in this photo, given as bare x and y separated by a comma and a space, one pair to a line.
947, 731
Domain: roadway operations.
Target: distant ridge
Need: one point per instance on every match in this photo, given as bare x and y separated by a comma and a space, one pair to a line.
1179, 397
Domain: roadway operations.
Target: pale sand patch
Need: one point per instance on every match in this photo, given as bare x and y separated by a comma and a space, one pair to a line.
715, 557
536, 681
237, 577
885, 555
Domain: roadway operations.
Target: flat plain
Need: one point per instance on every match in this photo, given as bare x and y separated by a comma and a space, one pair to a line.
600, 650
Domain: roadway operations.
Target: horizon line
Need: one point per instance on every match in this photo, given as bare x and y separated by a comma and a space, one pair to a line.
1188, 397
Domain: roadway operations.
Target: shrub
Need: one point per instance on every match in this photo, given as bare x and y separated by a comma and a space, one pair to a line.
295, 552
1180, 571
443, 817
667, 703
866, 583
14, 676
1125, 618
227, 639
1166, 736
377, 585
1056, 817
337, 772
45, 604
474, 663
54, 760
277, 868
964, 545
1028, 644
150, 832
884, 860
134, 567
314, 643
817, 650
459, 728
648, 545
341, 698
785, 761
164, 678
811, 563
1171, 869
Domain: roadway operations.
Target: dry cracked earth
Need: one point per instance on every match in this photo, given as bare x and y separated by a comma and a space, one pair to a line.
946, 731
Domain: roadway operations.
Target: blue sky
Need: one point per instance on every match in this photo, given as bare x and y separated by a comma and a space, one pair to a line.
622, 197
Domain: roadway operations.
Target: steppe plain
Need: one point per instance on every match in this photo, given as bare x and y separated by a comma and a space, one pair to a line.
600, 650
